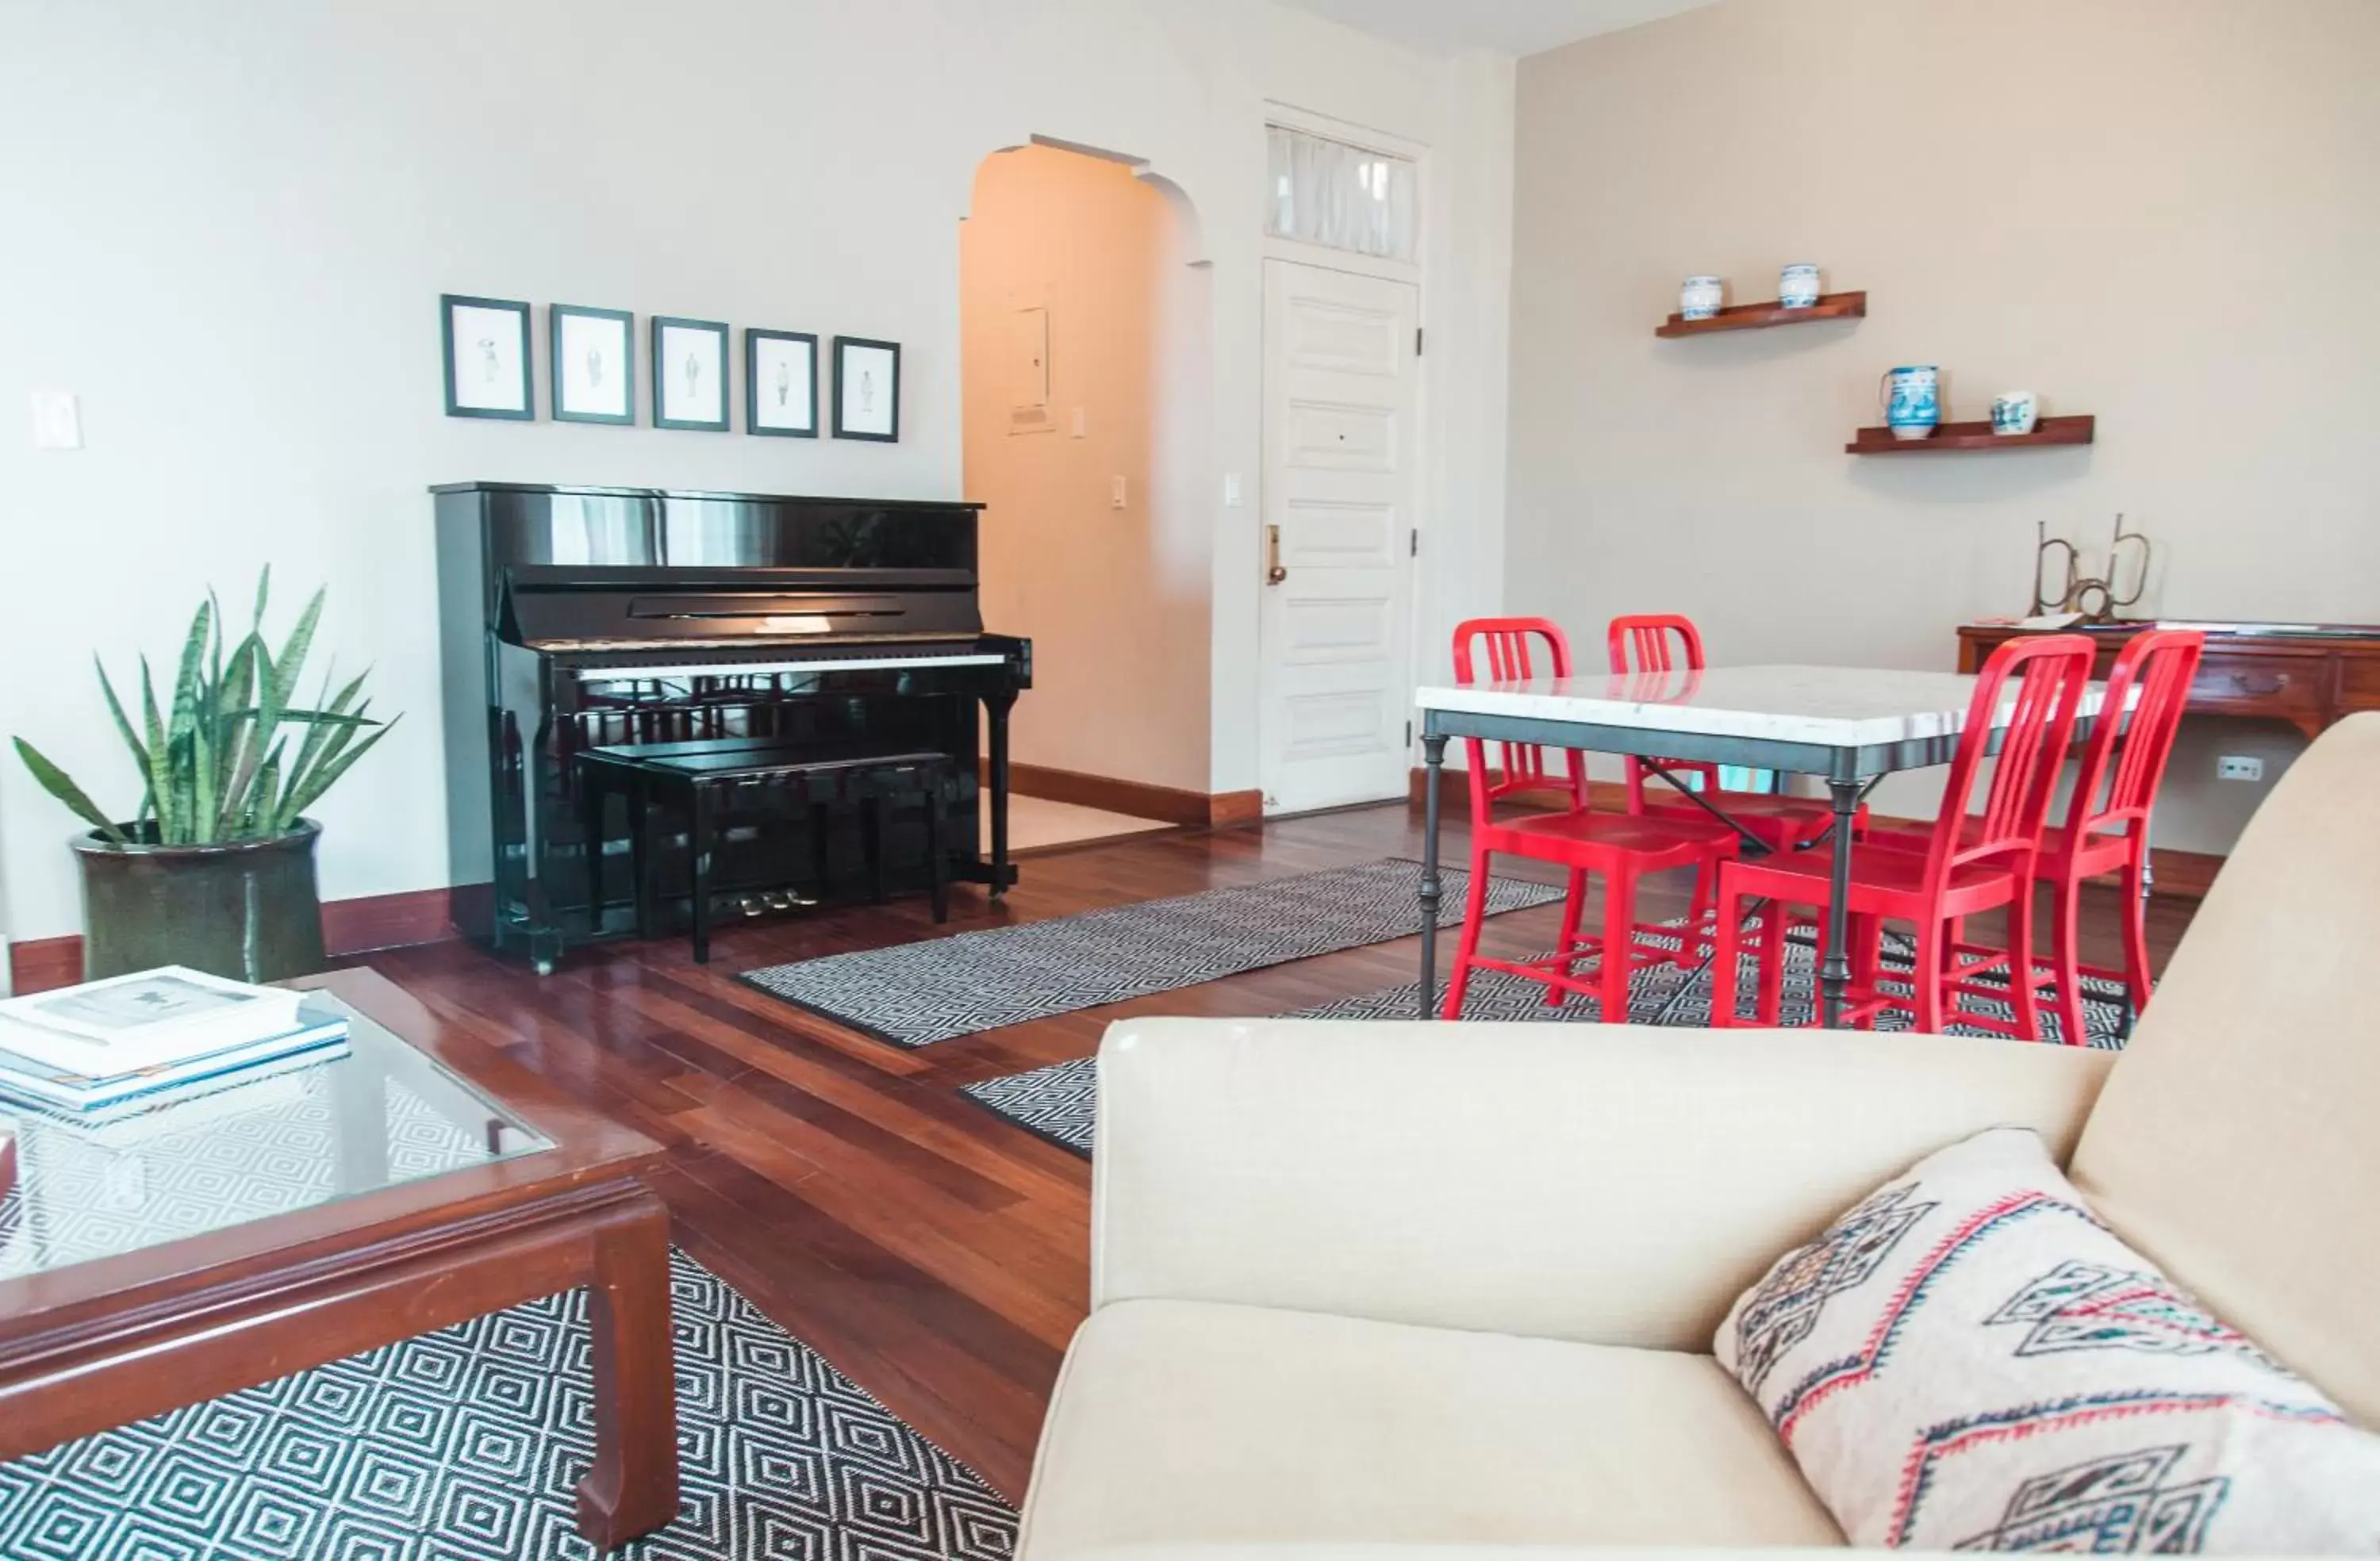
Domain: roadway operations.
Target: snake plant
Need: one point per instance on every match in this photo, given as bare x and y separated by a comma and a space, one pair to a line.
216, 765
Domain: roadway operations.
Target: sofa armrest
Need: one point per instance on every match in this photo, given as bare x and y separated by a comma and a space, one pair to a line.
1615, 1185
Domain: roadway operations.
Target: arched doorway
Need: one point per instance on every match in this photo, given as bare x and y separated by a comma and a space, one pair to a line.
1085, 330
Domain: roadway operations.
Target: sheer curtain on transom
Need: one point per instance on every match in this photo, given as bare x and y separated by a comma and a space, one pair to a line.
1328, 192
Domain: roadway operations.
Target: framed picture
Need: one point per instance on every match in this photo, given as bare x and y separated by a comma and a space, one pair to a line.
781, 383
592, 364
867, 389
486, 357
690, 374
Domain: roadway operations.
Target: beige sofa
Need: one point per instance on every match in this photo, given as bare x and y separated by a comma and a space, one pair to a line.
1367, 1284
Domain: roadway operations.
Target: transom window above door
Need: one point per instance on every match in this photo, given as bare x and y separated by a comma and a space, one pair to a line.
1339, 195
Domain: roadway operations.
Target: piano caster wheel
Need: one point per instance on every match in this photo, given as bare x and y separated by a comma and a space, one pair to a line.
543, 967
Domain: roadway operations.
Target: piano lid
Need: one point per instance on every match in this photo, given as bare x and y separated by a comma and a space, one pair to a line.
652, 607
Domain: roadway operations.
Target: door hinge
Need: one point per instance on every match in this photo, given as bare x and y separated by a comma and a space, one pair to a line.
1413, 542
1408, 734
1416, 341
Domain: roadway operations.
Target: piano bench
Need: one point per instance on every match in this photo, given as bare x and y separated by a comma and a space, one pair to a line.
693, 777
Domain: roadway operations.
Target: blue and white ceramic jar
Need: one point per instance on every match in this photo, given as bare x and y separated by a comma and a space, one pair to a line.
1912, 400
1797, 286
1701, 296
2015, 412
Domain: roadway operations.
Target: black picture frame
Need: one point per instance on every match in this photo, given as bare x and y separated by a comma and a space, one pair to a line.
447, 304
662, 324
555, 378
842, 346
753, 337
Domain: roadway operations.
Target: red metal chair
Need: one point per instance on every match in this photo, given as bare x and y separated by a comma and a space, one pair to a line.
2106, 819
1621, 847
1972, 863
1666, 642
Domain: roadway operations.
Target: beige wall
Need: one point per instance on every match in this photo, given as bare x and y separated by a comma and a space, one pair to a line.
1115, 600
2156, 211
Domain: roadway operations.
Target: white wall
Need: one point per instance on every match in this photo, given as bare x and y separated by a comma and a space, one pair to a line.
2153, 211
231, 239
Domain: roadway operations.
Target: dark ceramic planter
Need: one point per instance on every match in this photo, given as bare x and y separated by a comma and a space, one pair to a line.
250, 911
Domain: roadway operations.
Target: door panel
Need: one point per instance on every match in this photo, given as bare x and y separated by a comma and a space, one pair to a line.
1342, 384
1327, 536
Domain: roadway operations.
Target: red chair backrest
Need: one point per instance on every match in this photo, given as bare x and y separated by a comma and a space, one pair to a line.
1658, 642
2039, 680
2124, 760
1514, 648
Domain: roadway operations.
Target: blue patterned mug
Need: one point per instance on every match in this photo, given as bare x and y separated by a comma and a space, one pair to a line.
1910, 397
1700, 298
1797, 286
2015, 412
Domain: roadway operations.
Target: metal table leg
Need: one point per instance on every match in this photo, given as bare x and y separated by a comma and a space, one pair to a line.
1835, 971
1433, 760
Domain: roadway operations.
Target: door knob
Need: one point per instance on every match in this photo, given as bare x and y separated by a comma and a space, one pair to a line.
1274, 573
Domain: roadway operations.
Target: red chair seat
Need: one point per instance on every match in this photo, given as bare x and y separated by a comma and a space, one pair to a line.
1778, 822
1883, 883
2102, 853
1566, 837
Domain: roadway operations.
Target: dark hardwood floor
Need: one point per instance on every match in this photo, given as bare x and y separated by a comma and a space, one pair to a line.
931, 1251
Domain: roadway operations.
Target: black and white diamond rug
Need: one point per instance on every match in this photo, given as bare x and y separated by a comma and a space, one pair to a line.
467, 1444
916, 994
1057, 1101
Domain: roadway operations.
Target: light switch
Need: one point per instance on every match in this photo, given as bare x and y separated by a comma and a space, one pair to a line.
1080, 423
1231, 489
57, 420
1115, 492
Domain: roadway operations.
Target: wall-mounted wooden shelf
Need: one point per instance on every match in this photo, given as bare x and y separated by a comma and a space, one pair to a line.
1759, 317
1974, 436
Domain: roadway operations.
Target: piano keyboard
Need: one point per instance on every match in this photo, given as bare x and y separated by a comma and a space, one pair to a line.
816, 664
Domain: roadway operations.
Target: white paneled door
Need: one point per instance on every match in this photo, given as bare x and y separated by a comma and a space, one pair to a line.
1341, 380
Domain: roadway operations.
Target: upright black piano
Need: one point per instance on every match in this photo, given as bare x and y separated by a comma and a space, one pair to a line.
582, 617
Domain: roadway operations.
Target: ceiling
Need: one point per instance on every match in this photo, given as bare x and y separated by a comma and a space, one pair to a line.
1516, 27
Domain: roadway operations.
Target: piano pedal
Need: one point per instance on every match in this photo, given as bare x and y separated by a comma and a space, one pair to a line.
753, 904
779, 900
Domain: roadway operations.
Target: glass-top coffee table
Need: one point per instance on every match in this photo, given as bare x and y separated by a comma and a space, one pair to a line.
415, 1179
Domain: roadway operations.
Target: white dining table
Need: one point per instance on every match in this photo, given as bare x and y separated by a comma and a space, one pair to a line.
1850, 725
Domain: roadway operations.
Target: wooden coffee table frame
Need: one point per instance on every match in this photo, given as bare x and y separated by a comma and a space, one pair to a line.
102, 1344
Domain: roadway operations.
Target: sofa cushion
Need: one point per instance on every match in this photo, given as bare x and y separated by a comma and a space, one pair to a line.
2234, 1143
1969, 1359
1200, 1422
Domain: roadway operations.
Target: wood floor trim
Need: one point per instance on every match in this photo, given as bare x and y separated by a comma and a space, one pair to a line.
361, 925
1137, 799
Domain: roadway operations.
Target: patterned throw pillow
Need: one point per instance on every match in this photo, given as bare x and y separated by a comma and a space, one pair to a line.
1969, 1359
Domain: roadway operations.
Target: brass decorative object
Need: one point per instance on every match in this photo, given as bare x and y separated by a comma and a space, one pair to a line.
2093, 599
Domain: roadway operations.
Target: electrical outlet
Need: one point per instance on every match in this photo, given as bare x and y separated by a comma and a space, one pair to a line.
2238, 766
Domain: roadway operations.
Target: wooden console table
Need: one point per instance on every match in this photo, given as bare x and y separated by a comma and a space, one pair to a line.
2307, 674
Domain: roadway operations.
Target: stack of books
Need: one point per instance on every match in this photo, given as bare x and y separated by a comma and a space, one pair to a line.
134, 1041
